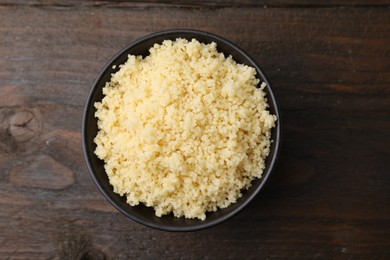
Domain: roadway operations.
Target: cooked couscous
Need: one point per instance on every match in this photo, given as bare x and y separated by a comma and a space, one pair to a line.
183, 130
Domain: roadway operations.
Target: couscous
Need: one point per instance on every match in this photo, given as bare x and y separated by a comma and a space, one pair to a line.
183, 130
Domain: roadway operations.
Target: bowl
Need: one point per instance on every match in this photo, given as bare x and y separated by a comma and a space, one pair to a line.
141, 213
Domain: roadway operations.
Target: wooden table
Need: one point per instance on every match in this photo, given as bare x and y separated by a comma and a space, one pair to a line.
329, 62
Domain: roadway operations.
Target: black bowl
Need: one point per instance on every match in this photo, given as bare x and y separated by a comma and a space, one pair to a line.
141, 213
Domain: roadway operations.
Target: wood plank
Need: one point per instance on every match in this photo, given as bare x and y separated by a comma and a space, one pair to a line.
197, 4
327, 198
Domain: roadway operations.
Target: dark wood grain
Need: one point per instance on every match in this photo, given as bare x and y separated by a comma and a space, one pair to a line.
196, 4
328, 197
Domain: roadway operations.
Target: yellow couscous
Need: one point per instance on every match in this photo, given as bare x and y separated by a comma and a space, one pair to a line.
183, 130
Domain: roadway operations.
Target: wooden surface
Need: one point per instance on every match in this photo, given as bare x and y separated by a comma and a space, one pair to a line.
329, 63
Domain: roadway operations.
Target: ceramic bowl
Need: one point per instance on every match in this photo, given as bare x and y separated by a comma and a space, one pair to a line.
143, 214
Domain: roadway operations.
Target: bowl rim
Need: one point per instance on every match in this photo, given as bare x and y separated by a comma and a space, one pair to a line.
275, 139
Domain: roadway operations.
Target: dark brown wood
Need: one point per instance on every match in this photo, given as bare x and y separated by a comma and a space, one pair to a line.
196, 4
328, 197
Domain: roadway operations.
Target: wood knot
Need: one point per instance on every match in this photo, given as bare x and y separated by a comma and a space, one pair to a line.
74, 245
24, 125
20, 129
93, 254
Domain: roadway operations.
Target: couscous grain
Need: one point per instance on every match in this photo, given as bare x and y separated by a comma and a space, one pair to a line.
183, 130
